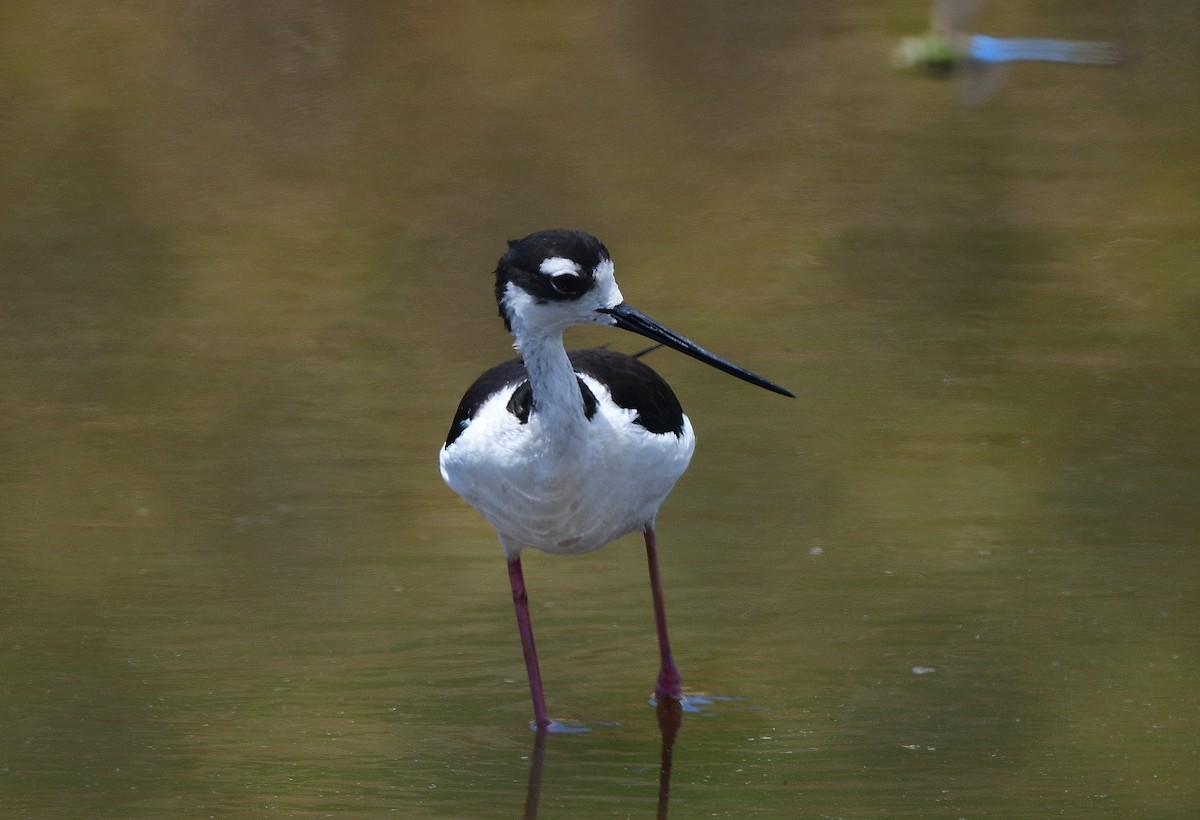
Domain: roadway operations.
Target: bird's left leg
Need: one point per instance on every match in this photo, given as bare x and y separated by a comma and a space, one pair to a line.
670, 683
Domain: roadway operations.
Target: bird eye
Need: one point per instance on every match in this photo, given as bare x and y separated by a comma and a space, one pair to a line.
568, 284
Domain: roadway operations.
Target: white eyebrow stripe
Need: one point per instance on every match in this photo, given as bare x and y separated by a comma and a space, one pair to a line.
558, 265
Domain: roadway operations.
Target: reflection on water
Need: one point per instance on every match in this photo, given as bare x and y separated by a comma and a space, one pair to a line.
243, 267
670, 719
533, 791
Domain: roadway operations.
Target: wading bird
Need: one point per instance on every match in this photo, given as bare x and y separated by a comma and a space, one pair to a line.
566, 451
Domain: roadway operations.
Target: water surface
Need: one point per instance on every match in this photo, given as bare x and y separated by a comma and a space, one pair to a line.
246, 257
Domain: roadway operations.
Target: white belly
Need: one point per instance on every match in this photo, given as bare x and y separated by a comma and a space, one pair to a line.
564, 493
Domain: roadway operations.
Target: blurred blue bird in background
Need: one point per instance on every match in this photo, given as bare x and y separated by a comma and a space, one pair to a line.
948, 50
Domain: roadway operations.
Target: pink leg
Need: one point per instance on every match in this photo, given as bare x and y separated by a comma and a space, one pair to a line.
670, 683
521, 602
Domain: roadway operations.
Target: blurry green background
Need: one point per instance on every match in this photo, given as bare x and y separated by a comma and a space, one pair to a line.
245, 261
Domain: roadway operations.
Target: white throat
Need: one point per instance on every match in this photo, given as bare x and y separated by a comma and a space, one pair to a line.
557, 402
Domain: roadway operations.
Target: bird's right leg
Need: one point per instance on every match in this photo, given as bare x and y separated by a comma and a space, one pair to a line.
521, 603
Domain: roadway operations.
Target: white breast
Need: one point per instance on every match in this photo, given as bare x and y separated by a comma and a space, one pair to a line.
564, 493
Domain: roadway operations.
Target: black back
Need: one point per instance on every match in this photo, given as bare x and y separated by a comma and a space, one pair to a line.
632, 384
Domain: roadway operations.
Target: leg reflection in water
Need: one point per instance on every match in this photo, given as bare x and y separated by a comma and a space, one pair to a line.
670, 718
533, 791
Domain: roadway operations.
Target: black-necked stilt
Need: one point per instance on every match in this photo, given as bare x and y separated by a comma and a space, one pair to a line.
565, 452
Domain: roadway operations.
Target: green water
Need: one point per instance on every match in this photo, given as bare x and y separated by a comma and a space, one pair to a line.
245, 258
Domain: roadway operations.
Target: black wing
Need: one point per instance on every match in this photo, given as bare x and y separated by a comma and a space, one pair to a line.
510, 375
634, 386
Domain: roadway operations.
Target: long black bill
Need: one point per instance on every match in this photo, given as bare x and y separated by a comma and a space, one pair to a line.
627, 318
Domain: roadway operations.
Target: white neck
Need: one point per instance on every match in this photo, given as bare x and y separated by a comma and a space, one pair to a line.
556, 397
